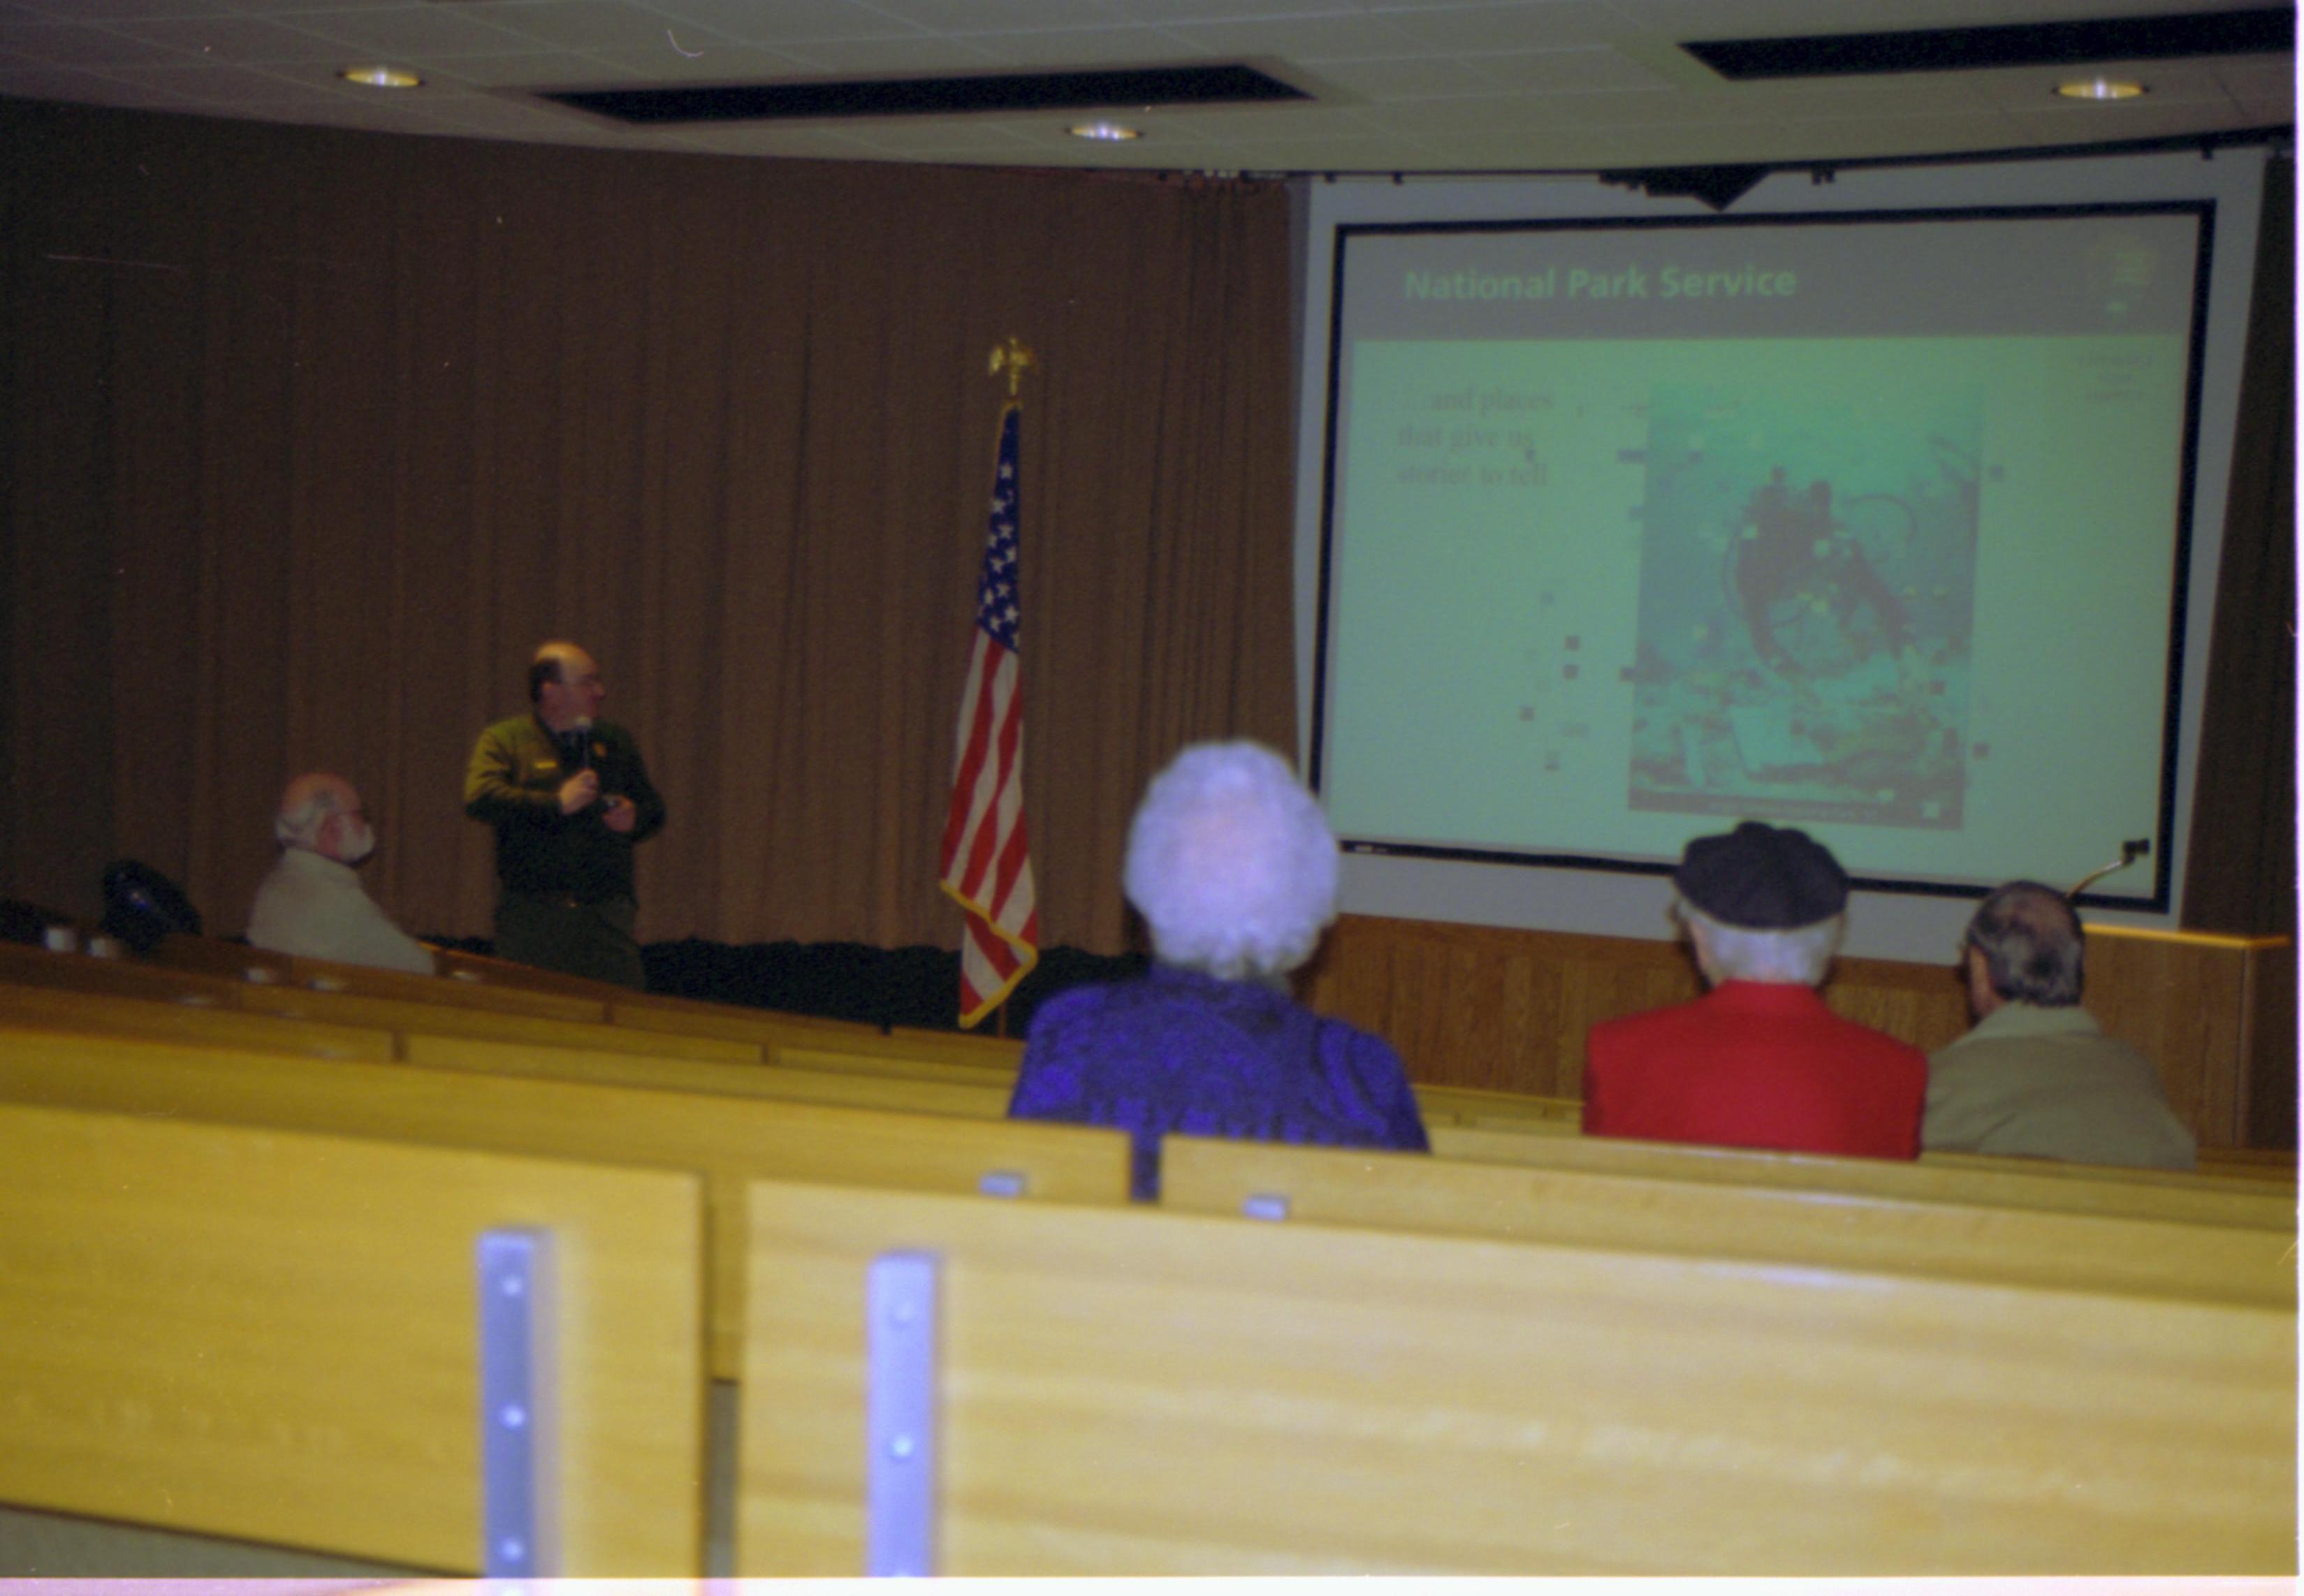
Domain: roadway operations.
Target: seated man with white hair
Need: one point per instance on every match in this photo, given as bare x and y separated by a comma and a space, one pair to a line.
1234, 868
311, 904
1758, 1061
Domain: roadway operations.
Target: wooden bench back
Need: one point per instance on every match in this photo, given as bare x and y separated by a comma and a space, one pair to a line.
728, 1139
440, 1019
762, 1027
272, 1336
60, 1009
2205, 1202
1398, 1191
815, 1077
115, 978
321, 975
1129, 1391
788, 1079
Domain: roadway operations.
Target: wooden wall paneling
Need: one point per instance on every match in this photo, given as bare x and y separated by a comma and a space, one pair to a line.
2180, 1000
1509, 1010
2270, 1018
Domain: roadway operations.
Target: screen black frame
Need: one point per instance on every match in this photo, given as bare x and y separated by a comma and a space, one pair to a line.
2204, 213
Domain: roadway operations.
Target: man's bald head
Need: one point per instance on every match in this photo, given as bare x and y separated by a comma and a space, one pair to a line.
321, 813
2028, 942
563, 683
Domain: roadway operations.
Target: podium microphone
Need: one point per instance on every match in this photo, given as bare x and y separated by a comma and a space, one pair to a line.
2131, 851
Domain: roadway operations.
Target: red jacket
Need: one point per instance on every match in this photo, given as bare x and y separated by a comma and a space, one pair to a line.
1752, 1064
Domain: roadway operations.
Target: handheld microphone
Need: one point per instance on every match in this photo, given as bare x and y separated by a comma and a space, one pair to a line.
582, 727
2131, 851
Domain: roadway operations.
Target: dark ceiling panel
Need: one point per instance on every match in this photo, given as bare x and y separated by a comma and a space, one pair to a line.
1133, 88
2262, 30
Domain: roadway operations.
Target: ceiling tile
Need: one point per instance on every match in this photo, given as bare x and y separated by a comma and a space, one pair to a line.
2073, 123
1412, 78
2259, 79
1252, 122
579, 24
253, 39
938, 137
999, 16
1795, 19
1563, 71
788, 22
1340, 35
1080, 46
219, 83
529, 70
714, 63
1160, 13
115, 11
1551, 150
1349, 152
812, 142
924, 53
73, 87
2169, 83
1429, 119
80, 43
1824, 140
1529, 25
408, 32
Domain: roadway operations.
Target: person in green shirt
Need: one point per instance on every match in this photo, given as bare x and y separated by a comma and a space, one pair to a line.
2036, 1077
568, 798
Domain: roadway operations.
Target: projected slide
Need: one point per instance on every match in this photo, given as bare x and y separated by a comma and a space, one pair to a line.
1803, 646
1869, 526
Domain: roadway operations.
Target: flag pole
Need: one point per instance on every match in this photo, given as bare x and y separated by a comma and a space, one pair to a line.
985, 861
1016, 359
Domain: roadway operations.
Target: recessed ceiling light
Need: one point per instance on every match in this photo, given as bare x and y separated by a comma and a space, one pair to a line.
381, 77
2100, 88
1111, 132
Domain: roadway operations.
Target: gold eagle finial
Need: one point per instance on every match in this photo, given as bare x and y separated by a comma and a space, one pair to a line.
1016, 360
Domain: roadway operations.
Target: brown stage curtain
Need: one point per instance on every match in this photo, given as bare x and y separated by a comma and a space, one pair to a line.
310, 437
2241, 874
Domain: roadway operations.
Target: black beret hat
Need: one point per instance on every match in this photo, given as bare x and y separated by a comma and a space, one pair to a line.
1762, 878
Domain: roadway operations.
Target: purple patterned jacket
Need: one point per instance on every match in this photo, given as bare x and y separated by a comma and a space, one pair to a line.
1184, 1052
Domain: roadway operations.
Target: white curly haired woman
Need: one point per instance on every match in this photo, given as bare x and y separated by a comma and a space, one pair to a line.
1234, 868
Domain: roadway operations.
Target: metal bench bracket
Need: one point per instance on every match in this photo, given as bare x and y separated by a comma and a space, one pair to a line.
900, 1438
519, 1429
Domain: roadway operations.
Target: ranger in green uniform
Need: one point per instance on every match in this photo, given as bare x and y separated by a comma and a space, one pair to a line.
568, 796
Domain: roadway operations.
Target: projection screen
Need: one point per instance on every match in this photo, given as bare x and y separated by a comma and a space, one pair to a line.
1887, 507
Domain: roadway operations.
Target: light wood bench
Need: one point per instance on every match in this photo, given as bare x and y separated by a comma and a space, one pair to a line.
1129, 1391
440, 1019
114, 977
125, 978
2201, 1201
1473, 1105
320, 974
212, 956
273, 1338
1564, 1116
730, 1022
808, 1076
1404, 1191
61, 1008
727, 1139
198, 964
2262, 1175
791, 1078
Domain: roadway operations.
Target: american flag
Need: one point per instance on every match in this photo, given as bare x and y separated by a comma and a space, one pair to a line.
987, 867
